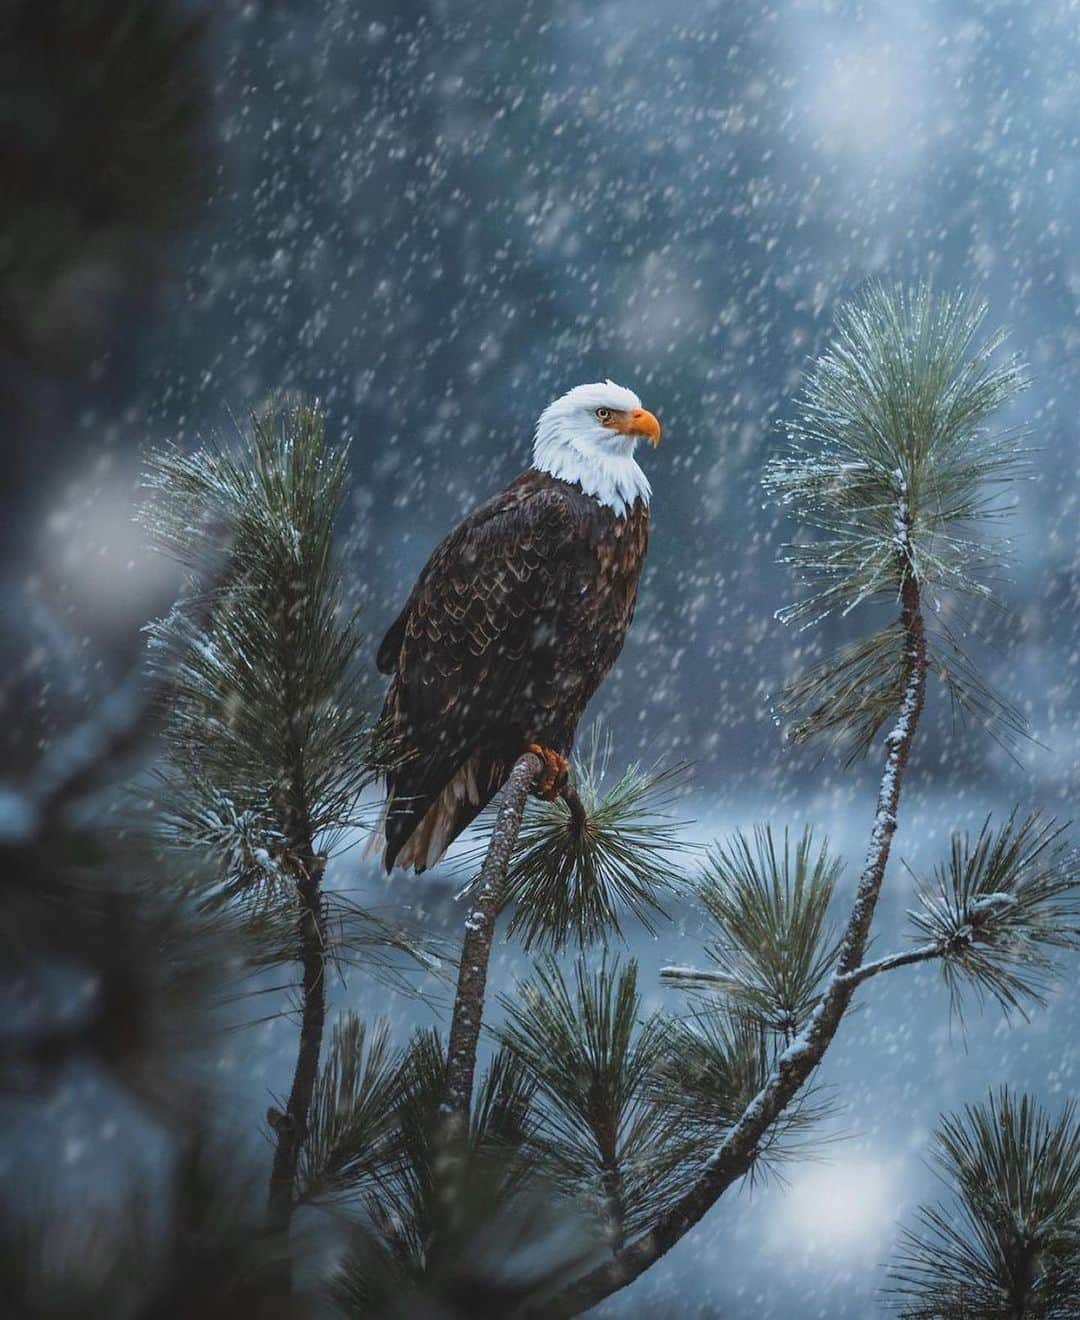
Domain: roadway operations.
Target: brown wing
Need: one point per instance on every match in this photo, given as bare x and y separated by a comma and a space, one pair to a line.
474, 651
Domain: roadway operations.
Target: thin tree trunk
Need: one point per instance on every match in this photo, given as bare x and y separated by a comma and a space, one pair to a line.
615, 1211
479, 933
739, 1149
311, 932
292, 1125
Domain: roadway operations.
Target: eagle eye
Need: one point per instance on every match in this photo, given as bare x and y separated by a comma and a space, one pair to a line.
603, 414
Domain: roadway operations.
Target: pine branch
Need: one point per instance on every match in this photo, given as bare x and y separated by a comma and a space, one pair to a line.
432, 1192
75, 890
267, 701
910, 958
898, 403
353, 1113
893, 465
1005, 904
484, 900
736, 1153
269, 746
895, 408
605, 848
898, 744
593, 1059
1010, 1249
292, 1128
848, 696
713, 1065
459, 1221
697, 978
769, 906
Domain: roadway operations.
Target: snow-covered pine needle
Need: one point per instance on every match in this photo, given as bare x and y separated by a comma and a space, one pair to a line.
268, 739
268, 735
244, 843
894, 467
1010, 1244
1002, 906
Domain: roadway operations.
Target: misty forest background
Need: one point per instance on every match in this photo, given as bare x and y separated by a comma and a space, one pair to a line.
435, 218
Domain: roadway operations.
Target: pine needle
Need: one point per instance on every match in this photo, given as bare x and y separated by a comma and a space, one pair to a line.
714, 1063
353, 1114
426, 1171
266, 729
574, 881
1003, 905
1010, 1246
773, 946
591, 1056
894, 469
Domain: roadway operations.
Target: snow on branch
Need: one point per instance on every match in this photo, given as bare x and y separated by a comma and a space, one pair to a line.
893, 465
1004, 904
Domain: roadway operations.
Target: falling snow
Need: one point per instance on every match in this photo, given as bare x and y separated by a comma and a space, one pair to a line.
436, 218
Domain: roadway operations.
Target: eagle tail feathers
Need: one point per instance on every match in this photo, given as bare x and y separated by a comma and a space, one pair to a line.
418, 830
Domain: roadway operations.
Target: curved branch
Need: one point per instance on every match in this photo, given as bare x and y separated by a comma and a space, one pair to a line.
485, 900
924, 953
736, 1154
579, 817
291, 1127
295, 810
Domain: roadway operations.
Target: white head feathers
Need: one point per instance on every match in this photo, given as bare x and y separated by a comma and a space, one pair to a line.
576, 445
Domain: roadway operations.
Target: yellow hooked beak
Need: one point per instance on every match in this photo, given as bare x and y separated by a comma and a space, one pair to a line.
637, 421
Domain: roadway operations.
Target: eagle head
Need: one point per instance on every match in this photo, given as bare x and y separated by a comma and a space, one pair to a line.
588, 436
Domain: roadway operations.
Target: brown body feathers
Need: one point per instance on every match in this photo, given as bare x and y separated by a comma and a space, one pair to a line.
511, 627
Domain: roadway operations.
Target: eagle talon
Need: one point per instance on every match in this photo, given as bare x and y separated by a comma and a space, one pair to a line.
555, 774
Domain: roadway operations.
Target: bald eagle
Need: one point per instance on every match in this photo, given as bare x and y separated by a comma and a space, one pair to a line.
514, 622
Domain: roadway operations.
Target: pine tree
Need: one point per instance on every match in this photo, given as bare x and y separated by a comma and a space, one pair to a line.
595, 1135
640, 1123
